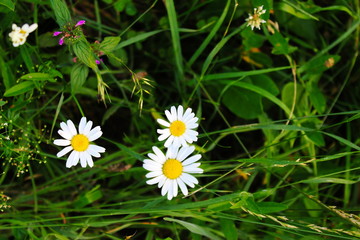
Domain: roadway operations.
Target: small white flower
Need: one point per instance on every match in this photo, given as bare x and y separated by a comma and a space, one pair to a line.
255, 20
172, 170
18, 35
180, 127
79, 143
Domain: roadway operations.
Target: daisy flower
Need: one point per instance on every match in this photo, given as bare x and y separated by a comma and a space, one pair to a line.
172, 170
179, 127
79, 143
255, 20
18, 35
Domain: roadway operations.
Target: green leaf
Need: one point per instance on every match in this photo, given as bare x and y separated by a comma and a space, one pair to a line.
2, 103
78, 75
243, 103
38, 77
317, 98
194, 228
8, 4
295, 10
280, 44
83, 51
319, 64
89, 197
8, 78
62, 13
109, 44
315, 136
265, 82
20, 88
137, 38
271, 207
287, 97
229, 229
329, 180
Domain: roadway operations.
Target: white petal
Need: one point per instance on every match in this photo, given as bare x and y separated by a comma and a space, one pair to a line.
160, 154
176, 142
170, 193
64, 151
169, 141
164, 136
193, 168
153, 174
83, 159
87, 128
165, 187
151, 167
25, 27
169, 116
154, 180
96, 148
62, 142
162, 181
76, 158
189, 117
191, 159
180, 112
192, 120
95, 136
174, 188
94, 130
66, 135
151, 162
189, 179
71, 127
182, 186
89, 159
82, 125
183, 142
192, 125
173, 112
154, 157
185, 152
66, 129
32, 27
186, 114
172, 152
92, 152
70, 160
163, 122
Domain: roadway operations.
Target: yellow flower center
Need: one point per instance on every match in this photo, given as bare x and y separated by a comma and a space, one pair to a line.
22, 31
172, 168
80, 142
177, 128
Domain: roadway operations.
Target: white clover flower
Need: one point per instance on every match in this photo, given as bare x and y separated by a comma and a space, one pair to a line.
79, 143
18, 35
172, 170
255, 20
180, 127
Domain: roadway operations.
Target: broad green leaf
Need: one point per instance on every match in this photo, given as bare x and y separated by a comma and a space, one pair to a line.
194, 228
78, 75
38, 77
19, 88
62, 13
109, 44
287, 97
266, 83
229, 229
280, 44
271, 207
6, 73
319, 64
83, 51
315, 136
243, 103
8, 4
2, 103
317, 98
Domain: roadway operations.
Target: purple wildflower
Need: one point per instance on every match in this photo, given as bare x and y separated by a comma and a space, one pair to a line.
57, 33
61, 41
79, 23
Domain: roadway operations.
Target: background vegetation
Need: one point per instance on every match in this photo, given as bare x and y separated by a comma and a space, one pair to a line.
278, 108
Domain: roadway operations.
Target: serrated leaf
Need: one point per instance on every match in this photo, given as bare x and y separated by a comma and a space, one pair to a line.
20, 88
8, 4
109, 44
78, 75
83, 51
62, 13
